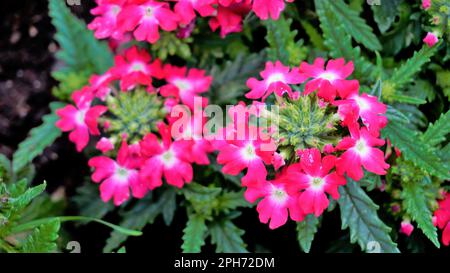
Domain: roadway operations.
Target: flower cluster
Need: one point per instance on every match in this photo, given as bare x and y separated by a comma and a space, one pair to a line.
300, 158
144, 18
130, 108
442, 218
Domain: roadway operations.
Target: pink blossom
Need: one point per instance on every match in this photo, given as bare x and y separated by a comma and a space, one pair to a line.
276, 204
442, 218
359, 151
330, 81
185, 85
426, 4
80, 119
367, 107
104, 145
430, 39
145, 17
134, 68
105, 22
100, 84
229, 18
276, 79
268, 8
117, 177
185, 9
406, 227
168, 159
312, 179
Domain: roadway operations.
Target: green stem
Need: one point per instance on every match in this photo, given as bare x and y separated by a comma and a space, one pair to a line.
4, 245
35, 223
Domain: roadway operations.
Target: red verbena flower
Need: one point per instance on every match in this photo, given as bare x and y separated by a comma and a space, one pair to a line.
145, 17
229, 18
105, 23
117, 177
81, 119
168, 159
330, 80
268, 8
185, 9
431, 39
359, 151
312, 178
442, 218
276, 79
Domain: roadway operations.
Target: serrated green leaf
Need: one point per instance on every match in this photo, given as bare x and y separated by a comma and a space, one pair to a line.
88, 202
437, 132
20, 202
394, 115
306, 230
38, 139
80, 51
170, 206
371, 181
231, 200
42, 239
194, 234
314, 36
359, 213
354, 24
400, 97
415, 150
385, 13
415, 203
282, 44
227, 237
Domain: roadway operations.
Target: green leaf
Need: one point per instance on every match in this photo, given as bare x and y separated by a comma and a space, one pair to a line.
80, 51
415, 203
69, 82
229, 201
229, 80
394, 115
340, 43
227, 237
406, 72
306, 230
415, 150
314, 36
5, 169
143, 212
20, 202
359, 213
385, 13
437, 132
194, 234
42, 239
38, 139
88, 202
170, 206
353, 24
399, 97
282, 44
371, 181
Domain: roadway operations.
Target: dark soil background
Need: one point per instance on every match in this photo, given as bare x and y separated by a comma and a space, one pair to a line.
26, 60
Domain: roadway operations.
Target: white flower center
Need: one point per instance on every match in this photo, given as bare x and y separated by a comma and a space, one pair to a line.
317, 183
361, 147
115, 10
328, 76
121, 174
137, 67
278, 195
362, 103
183, 85
248, 152
79, 117
149, 11
168, 158
276, 77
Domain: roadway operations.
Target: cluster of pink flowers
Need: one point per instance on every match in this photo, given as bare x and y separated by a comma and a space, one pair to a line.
302, 183
144, 18
142, 165
442, 218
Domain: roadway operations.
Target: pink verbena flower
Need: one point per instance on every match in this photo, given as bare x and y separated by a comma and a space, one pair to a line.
104, 24
145, 17
277, 202
134, 68
431, 39
100, 84
168, 159
81, 119
104, 145
229, 18
367, 107
359, 151
185, 85
117, 177
185, 9
442, 218
328, 81
268, 8
312, 179
426, 4
276, 79
406, 227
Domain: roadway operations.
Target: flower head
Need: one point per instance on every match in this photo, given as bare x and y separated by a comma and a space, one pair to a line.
330, 80
431, 39
105, 22
359, 151
117, 177
442, 216
406, 227
186, 9
80, 119
276, 79
268, 8
426, 4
